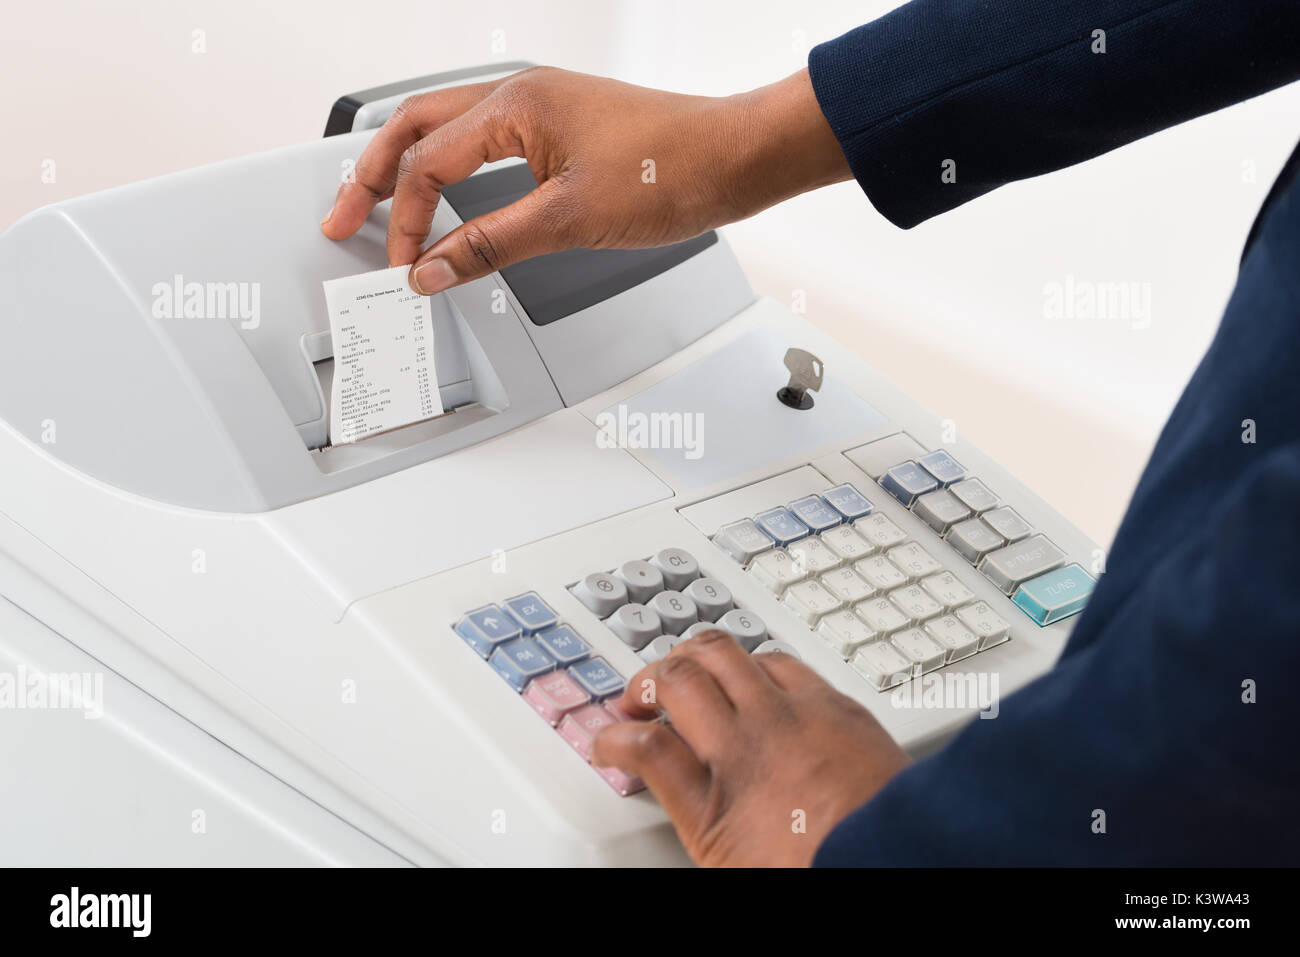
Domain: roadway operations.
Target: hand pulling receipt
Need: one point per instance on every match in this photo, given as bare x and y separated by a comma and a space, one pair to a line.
384, 373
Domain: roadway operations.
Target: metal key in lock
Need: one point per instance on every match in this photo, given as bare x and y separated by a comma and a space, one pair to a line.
805, 377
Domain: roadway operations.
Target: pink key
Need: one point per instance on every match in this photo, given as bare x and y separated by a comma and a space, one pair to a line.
618, 713
580, 727
620, 781
623, 783
555, 695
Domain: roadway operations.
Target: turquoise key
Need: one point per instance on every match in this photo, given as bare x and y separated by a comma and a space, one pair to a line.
1055, 595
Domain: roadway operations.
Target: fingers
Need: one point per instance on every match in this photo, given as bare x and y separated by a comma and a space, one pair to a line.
684, 689
532, 225
787, 672
654, 753
375, 174
736, 671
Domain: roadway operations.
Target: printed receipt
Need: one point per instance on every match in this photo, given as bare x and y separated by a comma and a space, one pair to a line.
384, 374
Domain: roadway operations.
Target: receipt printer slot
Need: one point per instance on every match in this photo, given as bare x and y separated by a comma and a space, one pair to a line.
476, 393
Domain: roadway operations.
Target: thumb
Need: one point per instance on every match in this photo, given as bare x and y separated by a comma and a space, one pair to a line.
528, 227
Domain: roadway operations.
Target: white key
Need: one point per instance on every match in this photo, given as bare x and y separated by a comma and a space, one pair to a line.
779, 647
845, 632
676, 611
810, 600
920, 649
880, 572
914, 560
658, 648
959, 641
602, 594
635, 624
846, 543
881, 664
642, 579
881, 615
975, 495
711, 597
877, 529
940, 509
745, 626
947, 590
847, 585
679, 567
813, 554
915, 603
985, 622
1008, 523
777, 570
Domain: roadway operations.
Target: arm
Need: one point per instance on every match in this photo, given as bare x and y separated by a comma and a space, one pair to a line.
1011, 89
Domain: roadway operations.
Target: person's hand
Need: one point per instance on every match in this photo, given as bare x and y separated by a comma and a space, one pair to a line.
619, 166
762, 758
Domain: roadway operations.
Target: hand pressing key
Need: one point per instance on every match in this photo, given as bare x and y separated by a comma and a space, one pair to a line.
763, 757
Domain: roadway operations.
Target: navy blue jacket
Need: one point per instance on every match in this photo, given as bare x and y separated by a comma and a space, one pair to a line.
1148, 716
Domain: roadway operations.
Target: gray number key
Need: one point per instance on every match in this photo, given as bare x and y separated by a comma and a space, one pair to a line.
1008, 567
676, 611
745, 626
658, 648
711, 597
635, 624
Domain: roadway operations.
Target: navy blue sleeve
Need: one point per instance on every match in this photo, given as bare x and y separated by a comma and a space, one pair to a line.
1172, 710
941, 101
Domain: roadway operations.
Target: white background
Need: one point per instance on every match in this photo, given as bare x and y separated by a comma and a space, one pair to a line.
952, 310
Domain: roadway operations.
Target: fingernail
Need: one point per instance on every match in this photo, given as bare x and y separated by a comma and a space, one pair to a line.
434, 276
328, 217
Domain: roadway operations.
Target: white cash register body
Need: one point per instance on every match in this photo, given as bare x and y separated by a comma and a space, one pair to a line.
273, 618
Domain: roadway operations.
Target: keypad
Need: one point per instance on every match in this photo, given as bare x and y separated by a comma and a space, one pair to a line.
687, 601
884, 602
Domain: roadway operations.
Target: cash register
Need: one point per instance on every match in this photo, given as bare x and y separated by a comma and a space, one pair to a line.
397, 651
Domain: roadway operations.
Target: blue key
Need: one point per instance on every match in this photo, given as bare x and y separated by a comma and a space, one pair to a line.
815, 513
943, 467
848, 501
1055, 595
563, 644
520, 661
597, 678
485, 628
781, 524
908, 481
531, 612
